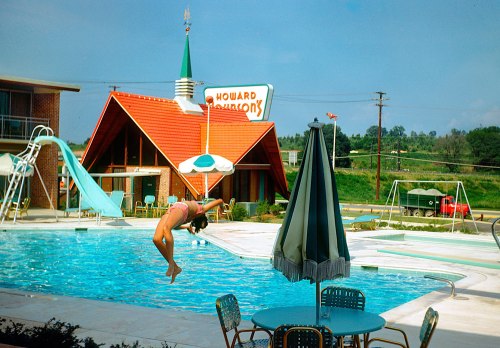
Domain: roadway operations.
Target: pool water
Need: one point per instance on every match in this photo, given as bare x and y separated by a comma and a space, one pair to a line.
124, 266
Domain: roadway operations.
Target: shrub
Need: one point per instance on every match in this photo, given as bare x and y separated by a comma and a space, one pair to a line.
262, 208
275, 209
239, 213
52, 334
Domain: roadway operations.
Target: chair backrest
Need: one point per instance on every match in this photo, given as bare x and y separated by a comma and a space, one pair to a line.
336, 296
311, 336
229, 314
26, 203
117, 197
232, 202
149, 199
172, 199
428, 326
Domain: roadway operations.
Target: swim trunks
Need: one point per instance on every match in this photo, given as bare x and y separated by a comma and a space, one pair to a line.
184, 208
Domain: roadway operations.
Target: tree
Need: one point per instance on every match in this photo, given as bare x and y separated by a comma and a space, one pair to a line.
485, 145
452, 148
397, 131
372, 132
342, 145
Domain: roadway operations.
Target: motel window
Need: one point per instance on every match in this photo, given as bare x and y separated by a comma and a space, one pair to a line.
119, 183
15, 103
4, 103
20, 104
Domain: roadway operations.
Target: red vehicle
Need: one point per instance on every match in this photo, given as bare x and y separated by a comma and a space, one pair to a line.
431, 202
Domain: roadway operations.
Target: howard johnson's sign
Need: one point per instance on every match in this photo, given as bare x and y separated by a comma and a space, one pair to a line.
254, 100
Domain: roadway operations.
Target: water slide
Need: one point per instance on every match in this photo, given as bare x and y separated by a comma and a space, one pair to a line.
89, 189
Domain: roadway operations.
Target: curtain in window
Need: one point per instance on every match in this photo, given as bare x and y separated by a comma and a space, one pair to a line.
4, 103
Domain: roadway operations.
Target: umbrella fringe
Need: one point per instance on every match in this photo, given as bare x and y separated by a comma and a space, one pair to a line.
290, 270
327, 270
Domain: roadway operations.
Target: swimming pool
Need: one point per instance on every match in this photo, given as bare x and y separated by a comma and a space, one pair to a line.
453, 241
124, 266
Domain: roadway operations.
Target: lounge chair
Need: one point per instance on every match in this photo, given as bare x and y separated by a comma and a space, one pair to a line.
229, 315
147, 207
428, 326
340, 297
298, 336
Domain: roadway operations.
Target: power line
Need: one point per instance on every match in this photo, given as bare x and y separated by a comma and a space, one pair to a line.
317, 101
117, 82
423, 160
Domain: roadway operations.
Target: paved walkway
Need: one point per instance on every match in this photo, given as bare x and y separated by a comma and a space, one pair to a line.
469, 319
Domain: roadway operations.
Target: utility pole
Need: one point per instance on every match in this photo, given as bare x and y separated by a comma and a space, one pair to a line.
399, 152
380, 105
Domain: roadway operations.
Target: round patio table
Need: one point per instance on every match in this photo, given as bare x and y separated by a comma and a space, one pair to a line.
342, 321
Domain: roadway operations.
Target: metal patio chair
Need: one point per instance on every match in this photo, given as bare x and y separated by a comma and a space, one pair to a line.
340, 297
229, 315
298, 336
427, 329
228, 209
147, 207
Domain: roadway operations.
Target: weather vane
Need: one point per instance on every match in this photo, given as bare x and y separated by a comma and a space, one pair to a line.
187, 22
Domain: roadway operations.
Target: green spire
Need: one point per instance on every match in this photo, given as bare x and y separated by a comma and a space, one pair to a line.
186, 61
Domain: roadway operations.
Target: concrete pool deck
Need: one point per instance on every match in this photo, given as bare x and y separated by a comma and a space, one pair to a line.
471, 318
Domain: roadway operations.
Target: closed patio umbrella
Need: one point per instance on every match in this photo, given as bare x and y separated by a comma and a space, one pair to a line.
311, 243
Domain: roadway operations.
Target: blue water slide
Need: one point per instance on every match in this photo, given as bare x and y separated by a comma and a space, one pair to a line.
89, 189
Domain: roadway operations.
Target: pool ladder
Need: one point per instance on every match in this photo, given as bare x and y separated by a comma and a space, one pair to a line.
441, 279
494, 233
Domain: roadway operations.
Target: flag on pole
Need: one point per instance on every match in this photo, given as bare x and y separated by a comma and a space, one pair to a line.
330, 115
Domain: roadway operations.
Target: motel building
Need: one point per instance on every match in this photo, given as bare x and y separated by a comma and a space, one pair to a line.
139, 142
25, 104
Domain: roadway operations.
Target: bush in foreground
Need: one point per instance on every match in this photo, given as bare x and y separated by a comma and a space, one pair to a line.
55, 334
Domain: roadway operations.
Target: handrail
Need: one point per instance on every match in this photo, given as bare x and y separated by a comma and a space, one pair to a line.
441, 279
20, 127
494, 233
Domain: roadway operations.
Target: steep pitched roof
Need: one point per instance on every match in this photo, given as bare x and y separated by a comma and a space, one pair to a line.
179, 136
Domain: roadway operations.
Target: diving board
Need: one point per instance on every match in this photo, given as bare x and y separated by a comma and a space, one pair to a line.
88, 187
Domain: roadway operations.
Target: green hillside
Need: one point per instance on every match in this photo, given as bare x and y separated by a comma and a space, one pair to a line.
358, 186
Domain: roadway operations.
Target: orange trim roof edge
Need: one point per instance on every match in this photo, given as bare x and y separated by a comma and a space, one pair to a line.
97, 126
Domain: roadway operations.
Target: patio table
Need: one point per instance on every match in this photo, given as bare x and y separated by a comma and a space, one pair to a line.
342, 321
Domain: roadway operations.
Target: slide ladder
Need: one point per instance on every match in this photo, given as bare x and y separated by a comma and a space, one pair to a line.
25, 161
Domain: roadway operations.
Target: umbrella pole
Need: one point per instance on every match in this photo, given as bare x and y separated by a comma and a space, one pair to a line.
318, 302
206, 185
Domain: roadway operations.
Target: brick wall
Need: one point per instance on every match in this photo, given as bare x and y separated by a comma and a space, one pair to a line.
46, 105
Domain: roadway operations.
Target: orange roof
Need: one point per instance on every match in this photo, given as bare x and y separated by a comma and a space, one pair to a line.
179, 136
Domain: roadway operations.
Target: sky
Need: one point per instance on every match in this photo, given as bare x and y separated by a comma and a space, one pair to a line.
437, 61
